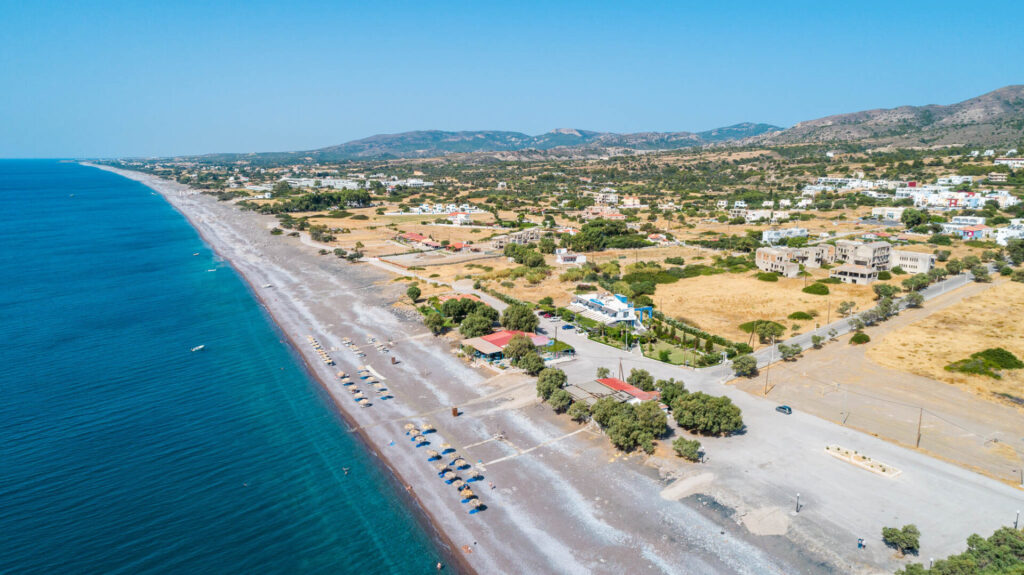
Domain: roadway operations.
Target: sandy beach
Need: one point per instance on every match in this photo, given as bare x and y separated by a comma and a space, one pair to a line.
559, 499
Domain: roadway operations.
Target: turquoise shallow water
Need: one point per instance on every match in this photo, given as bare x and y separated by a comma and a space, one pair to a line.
123, 452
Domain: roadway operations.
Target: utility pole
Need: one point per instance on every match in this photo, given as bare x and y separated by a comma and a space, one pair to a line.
920, 416
770, 361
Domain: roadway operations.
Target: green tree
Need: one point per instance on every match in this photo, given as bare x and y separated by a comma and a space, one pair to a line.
904, 539
518, 347
560, 400
847, 307
817, 341
913, 218
550, 380
435, 322
531, 363
745, 365
664, 355
980, 274
767, 330
914, 299
885, 290
670, 389
475, 325
688, 449
788, 352
954, 266
519, 317
603, 372
413, 292
1015, 251
641, 378
579, 412
707, 414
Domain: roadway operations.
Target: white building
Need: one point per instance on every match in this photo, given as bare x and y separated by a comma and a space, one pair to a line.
887, 214
564, 257
967, 220
772, 237
955, 180
913, 262
785, 203
1013, 231
460, 218
1014, 163
722, 204
606, 309
739, 204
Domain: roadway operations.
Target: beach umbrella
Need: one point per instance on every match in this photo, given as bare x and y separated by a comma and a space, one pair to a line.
409, 426
467, 493
342, 374
476, 503
432, 454
428, 427
449, 476
445, 447
419, 438
459, 484
440, 466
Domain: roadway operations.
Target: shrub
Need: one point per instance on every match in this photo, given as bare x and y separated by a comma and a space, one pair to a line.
987, 363
688, 449
830, 281
884, 275
768, 277
859, 338
800, 315
816, 289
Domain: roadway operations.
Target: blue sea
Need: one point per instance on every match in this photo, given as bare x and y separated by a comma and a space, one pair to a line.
121, 451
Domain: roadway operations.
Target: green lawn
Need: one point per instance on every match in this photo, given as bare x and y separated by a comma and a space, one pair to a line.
676, 356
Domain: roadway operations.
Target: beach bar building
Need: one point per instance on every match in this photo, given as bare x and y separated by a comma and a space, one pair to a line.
492, 346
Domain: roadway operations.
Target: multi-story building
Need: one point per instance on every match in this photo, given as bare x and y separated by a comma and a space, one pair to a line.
854, 274
1014, 163
606, 309
874, 255
521, 237
787, 261
913, 262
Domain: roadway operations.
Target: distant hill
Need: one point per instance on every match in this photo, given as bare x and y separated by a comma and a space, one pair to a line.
990, 119
434, 143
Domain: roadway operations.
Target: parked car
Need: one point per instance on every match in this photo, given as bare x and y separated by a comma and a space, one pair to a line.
784, 409
568, 326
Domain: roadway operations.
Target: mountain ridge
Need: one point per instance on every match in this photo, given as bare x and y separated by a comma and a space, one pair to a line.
993, 118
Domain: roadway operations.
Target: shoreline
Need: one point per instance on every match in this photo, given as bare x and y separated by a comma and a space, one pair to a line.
566, 500
423, 517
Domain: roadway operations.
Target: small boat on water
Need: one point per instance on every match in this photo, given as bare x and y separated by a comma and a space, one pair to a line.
267, 286
196, 254
199, 348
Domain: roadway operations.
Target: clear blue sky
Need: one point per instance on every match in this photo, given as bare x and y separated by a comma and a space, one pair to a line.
162, 78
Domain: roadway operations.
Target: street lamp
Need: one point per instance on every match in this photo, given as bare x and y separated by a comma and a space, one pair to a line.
798, 503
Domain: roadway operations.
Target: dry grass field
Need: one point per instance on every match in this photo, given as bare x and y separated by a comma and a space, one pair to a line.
990, 319
720, 303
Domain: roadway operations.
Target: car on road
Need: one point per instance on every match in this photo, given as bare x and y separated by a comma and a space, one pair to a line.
784, 409
568, 326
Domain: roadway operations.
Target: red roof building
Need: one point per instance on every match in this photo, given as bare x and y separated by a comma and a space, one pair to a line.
619, 385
